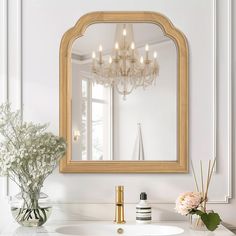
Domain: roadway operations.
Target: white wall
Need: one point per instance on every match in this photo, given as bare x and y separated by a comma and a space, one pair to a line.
155, 109
79, 196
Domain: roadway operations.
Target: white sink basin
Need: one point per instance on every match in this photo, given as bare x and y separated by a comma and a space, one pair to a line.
124, 230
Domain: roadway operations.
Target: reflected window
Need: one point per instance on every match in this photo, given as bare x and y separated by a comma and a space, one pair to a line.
95, 122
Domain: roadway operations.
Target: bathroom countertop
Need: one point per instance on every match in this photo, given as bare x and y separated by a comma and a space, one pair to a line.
51, 228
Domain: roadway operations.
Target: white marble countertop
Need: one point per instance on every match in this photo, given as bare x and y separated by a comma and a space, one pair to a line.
51, 228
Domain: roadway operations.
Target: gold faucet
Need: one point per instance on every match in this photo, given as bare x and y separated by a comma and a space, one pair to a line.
119, 212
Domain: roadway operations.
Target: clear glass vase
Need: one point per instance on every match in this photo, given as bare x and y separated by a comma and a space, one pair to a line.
196, 223
31, 209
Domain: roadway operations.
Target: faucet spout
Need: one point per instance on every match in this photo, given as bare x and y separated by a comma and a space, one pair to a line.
119, 211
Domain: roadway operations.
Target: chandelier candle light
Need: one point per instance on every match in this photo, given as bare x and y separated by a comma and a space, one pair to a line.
125, 70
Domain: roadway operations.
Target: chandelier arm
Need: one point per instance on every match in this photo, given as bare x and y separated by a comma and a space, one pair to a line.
124, 71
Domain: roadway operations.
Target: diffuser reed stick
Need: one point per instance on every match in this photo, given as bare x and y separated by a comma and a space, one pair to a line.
204, 191
194, 175
194, 203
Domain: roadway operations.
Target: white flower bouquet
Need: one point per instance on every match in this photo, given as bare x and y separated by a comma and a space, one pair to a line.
28, 154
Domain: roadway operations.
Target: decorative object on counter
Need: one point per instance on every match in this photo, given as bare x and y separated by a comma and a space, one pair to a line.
143, 210
43, 209
194, 203
28, 154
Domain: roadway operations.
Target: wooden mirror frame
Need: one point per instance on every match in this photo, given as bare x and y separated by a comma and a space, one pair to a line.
67, 165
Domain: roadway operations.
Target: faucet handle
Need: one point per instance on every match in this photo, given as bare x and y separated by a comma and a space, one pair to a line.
119, 194
120, 188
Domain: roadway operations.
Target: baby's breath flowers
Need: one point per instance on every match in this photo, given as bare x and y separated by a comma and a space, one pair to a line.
28, 154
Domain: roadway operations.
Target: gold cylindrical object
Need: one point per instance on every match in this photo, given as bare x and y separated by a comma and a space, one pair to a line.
119, 194
119, 211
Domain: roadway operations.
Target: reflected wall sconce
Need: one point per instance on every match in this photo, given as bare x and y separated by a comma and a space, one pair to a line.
76, 135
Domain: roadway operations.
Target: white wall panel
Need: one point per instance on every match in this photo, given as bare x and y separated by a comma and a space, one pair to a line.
14, 53
10, 75
3, 49
3, 73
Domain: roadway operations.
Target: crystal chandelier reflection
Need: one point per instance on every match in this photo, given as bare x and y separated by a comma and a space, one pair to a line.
124, 69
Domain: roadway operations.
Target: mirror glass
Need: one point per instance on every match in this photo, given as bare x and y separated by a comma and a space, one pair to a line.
124, 94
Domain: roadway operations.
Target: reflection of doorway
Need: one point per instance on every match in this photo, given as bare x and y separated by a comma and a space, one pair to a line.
94, 120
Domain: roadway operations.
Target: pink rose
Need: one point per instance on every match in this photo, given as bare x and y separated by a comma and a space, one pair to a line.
188, 201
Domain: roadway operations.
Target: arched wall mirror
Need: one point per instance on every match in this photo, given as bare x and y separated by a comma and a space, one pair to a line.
124, 94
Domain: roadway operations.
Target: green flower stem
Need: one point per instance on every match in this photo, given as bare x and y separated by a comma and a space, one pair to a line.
31, 208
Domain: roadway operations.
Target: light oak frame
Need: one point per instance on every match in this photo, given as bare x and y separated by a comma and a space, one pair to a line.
67, 165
